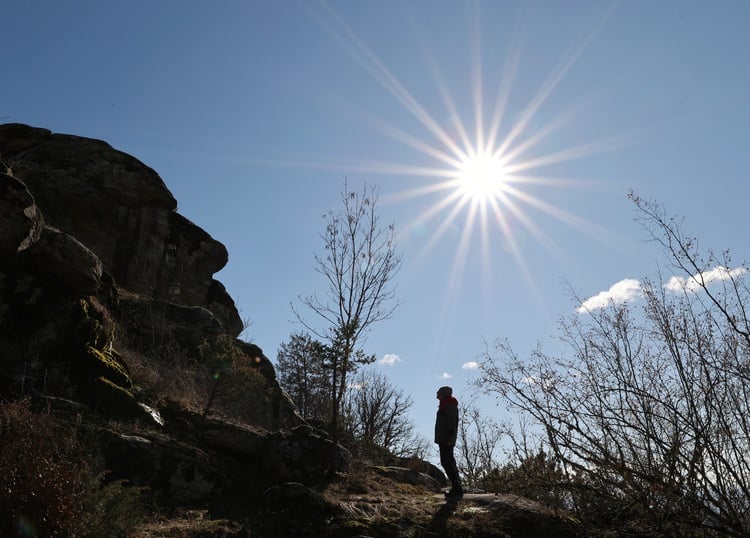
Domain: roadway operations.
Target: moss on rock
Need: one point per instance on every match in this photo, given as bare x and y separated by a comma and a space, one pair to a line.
92, 328
115, 399
96, 363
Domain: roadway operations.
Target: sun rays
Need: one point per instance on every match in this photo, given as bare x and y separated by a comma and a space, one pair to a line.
483, 169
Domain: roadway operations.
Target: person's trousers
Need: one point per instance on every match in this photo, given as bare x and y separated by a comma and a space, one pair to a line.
448, 461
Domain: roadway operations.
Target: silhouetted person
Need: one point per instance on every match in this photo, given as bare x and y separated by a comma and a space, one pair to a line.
446, 431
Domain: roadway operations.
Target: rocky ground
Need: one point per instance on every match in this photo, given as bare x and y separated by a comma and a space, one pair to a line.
365, 504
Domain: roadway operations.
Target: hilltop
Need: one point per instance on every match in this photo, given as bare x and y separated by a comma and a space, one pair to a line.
128, 392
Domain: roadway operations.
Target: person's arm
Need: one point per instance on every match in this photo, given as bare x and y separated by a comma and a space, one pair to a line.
451, 424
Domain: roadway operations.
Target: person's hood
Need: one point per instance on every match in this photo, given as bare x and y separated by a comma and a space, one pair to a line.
450, 400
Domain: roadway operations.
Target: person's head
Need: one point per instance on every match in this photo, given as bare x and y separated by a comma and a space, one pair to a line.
444, 392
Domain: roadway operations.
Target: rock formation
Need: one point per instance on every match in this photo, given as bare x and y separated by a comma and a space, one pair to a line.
98, 269
110, 317
121, 211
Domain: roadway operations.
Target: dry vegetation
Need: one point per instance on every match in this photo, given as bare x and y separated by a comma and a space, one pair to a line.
48, 486
68, 499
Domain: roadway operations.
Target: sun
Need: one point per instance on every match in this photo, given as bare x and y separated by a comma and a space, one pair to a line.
481, 177
488, 180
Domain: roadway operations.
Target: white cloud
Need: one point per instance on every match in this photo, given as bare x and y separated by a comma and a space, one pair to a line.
445, 375
679, 283
471, 365
389, 359
620, 292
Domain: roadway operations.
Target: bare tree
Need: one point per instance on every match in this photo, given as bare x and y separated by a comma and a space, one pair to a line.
376, 412
478, 447
650, 410
359, 265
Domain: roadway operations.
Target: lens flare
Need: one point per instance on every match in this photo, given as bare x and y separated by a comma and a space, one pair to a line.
484, 169
481, 177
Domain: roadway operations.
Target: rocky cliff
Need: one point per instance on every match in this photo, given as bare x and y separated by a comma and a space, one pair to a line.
119, 209
84, 228
109, 308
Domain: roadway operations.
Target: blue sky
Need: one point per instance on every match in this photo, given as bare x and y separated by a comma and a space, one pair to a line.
254, 112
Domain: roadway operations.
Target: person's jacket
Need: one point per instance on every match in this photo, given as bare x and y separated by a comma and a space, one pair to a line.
446, 423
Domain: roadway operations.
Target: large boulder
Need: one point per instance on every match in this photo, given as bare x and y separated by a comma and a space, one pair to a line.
121, 210
303, 455
149, 320
60, 257
423, 467
300, 454
28, 242
171, 469
20, 220
408, 476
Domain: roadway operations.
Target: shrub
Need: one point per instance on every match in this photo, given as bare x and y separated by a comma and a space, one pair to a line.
537, 476
111, 509
47, 487
43, 473
647, 408
237, 388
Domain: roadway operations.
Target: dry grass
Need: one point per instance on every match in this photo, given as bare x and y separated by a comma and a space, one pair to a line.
370, 498
187, 525
168, 378
222, 380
